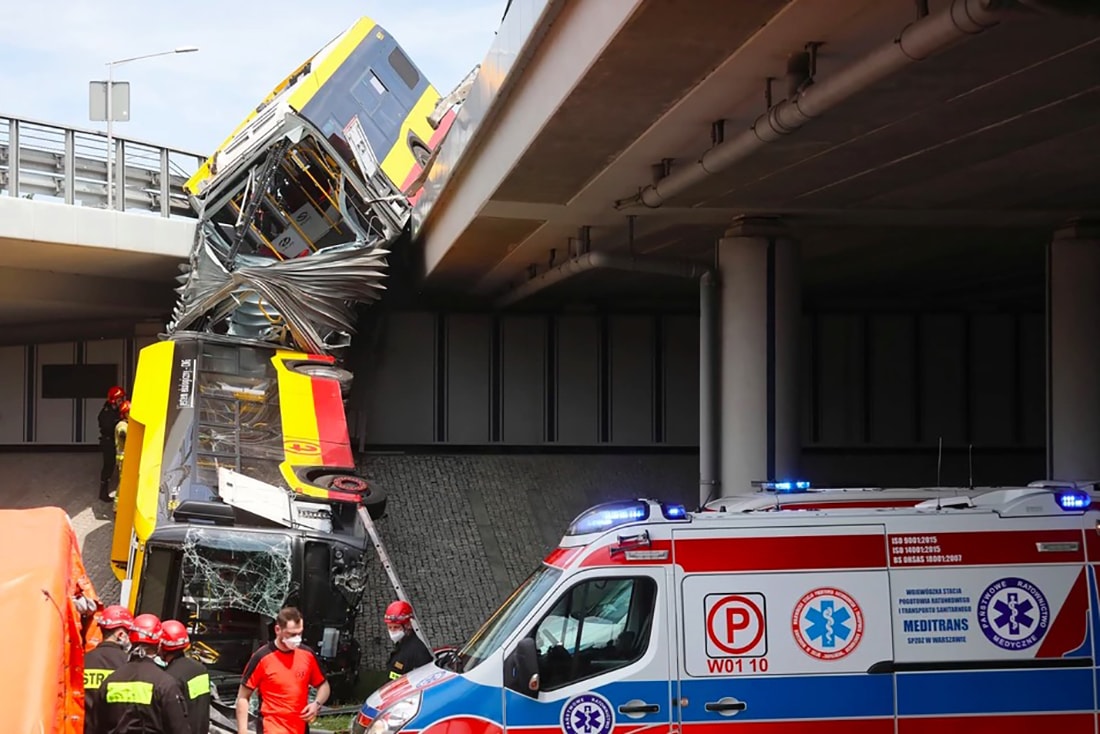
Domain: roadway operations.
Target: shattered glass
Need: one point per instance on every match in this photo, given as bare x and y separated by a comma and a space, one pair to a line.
289, 244
248, 572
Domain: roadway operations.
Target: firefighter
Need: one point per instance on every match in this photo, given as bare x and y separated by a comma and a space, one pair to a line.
110, 654
108, 419
120, 441
192, 675
409, 651
140, 696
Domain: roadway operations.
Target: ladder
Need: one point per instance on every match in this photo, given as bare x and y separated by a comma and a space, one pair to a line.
391, 572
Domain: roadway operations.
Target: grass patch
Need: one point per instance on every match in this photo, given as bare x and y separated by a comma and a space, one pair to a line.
333, 723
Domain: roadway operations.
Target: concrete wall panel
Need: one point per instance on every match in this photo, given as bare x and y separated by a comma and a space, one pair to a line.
680, 391
841, 379
577, 388
54, 417
469, 373
943, 384
994, 374
892, 380
106, 351
13, 394
523, 380
631, 363
399, 390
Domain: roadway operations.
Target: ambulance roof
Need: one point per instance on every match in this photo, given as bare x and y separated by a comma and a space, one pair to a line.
640, 530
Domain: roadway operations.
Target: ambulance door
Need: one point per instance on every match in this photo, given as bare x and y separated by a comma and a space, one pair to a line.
992, 624
602, 646
781, 625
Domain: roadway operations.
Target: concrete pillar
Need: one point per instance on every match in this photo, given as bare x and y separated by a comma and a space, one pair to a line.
760, 311
1073, 353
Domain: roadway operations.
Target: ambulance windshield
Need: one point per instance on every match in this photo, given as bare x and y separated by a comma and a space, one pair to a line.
504, 620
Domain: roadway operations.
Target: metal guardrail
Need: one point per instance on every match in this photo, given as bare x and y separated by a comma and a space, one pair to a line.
39, 160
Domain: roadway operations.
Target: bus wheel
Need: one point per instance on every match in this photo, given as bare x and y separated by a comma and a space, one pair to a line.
421, 154
374, 500
320, 369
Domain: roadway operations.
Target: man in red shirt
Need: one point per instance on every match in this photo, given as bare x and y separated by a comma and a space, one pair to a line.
282, 671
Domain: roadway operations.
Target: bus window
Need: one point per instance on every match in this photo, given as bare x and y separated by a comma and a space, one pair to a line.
161, 570
404, 68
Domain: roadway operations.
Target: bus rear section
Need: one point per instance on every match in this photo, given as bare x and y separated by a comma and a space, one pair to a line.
327, 167
239, 492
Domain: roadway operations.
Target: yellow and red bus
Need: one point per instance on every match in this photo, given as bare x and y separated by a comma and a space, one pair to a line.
238, 494
333, 149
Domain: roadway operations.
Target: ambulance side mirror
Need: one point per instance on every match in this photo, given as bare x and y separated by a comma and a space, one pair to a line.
521, 669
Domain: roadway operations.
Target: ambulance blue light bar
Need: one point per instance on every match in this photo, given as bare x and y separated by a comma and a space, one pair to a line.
1073, 500
609, 515
785, 487
673, 512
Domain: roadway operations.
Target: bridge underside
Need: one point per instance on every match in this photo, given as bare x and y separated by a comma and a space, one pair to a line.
943, 180
70, 272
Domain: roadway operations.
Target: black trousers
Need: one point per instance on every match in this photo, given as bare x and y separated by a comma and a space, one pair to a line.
108, 470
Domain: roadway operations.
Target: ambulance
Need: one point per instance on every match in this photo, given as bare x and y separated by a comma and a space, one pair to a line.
975, 613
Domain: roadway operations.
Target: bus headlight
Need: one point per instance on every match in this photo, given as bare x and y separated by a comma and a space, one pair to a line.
394, 717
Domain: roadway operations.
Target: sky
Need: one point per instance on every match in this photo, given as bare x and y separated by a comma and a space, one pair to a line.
51, 49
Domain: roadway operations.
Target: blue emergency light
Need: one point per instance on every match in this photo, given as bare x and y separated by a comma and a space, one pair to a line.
784, 487
609, 515
1072, 500
673, 512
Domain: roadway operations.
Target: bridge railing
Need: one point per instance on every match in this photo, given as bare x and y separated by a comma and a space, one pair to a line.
42, 161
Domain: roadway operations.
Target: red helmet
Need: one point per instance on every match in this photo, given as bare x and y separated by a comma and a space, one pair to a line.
174, 635
124, 409
116, 394
398, 612
115, 617
146, 630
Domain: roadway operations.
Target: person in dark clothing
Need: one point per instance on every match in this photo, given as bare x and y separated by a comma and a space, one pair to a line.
192, 675
409, 650
108, 419
139, 696
109, 655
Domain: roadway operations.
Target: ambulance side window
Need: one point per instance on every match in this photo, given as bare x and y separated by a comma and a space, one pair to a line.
595, 627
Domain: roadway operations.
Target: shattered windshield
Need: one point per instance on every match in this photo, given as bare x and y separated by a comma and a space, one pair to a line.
223, 569
514, 610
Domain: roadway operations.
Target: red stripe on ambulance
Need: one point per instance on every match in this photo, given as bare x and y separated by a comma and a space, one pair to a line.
781, 553
992, 548
999, 723
799, 726
561, 557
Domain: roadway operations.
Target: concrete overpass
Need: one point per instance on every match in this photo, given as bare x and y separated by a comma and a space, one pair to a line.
850, 155
70, 266
872, 188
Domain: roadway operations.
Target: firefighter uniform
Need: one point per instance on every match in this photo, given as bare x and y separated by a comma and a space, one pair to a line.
106, 658
139, 697
195, 684
408, 654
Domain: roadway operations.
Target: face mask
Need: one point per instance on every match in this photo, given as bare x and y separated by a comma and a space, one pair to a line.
292, 642
396, 635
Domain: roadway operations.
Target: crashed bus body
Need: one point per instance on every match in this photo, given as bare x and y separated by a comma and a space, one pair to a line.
238, 494
238, 490
298, 206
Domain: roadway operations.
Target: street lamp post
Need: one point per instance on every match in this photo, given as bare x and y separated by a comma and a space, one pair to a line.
111, 112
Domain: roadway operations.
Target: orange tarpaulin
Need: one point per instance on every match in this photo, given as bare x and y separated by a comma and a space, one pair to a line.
42, 687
